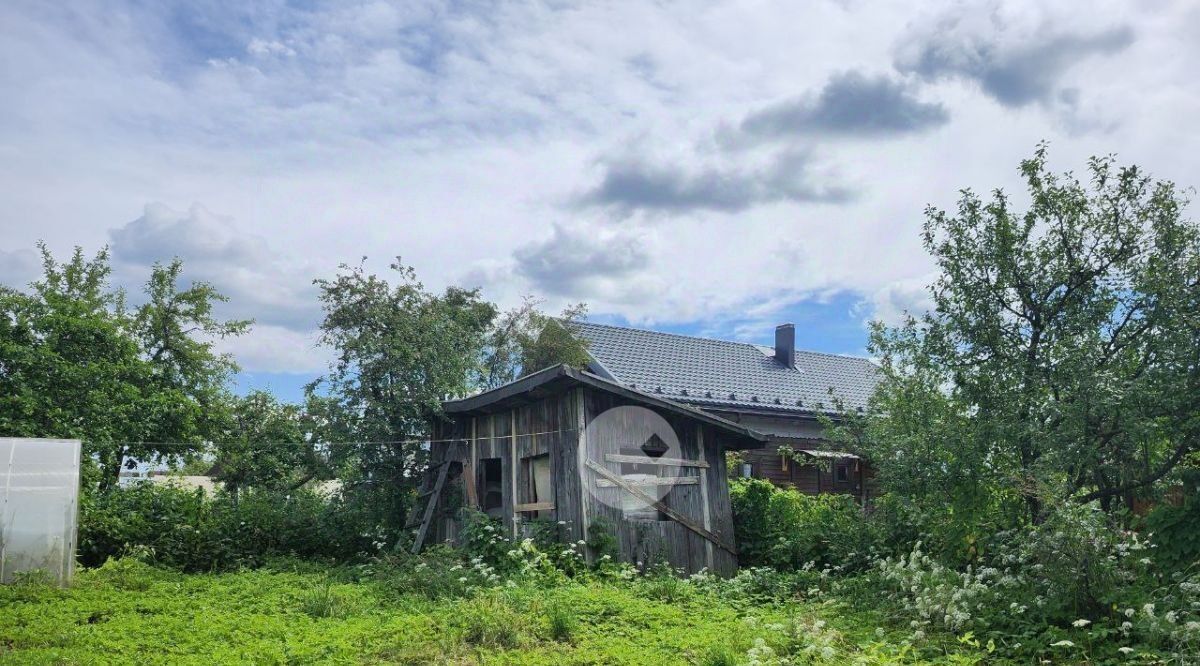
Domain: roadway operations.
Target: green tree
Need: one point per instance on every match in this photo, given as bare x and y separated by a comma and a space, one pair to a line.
76, 362
401, 350
265, 444
1061, 359
525, 340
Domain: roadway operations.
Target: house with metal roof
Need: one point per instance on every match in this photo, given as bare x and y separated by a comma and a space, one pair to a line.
780, 392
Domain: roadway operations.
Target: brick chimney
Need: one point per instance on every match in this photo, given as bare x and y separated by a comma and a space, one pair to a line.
785, 345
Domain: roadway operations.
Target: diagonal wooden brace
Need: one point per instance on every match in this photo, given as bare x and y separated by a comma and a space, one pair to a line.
671, 513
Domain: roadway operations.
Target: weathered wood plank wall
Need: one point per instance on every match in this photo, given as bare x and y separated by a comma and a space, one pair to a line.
554, 426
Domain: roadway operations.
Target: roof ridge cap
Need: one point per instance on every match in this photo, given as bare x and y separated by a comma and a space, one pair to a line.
674, 335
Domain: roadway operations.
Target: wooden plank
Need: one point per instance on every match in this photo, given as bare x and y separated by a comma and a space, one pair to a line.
671, 513
707, 508
646, 460
535, 506
469, 474
581, 456
651, 483
512, 468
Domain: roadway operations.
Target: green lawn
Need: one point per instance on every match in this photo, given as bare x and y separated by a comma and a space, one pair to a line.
134, 614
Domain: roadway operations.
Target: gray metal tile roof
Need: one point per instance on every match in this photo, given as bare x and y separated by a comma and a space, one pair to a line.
721, 373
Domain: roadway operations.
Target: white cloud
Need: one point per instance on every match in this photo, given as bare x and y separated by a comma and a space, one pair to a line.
262, 280
892, 302
456, 135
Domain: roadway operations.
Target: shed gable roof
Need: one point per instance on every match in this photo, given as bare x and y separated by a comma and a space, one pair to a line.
555, 378
723, 373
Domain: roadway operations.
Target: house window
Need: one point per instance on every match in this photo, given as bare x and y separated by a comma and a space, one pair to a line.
747, 470
841, 473
491, 487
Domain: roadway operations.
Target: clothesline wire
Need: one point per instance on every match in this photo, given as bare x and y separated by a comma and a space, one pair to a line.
193, 445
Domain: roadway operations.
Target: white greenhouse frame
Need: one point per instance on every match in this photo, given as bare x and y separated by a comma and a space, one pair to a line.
39, 507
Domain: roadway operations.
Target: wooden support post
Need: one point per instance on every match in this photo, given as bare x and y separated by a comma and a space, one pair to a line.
513, 467
708, 547
471, 480
580, 459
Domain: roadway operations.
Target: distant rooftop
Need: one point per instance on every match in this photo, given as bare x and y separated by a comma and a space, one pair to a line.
724, 373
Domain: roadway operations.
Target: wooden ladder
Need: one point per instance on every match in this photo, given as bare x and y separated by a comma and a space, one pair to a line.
422, 516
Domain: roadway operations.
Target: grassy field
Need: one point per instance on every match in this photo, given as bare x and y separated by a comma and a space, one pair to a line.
129, 613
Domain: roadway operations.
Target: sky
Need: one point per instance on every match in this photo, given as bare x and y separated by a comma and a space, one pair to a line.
709, 168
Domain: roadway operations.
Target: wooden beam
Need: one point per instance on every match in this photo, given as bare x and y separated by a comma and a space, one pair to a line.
580, 457
708, 547
535, 506
470, 474
647, 460
512, 466
671, 513
652, 483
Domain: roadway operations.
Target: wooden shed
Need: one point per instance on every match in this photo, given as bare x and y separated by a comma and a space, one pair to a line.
586, 453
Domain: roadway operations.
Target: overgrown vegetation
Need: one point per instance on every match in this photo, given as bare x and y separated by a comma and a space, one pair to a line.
188, 530
291, 611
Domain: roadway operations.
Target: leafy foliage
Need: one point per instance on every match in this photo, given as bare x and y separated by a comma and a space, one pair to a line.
787, 529
265, 445
186, 529
525, 340
401, 350
293, 613
76, 362
1060, 358
1176, 531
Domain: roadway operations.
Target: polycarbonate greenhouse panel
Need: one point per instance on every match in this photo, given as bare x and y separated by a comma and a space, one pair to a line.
39, 506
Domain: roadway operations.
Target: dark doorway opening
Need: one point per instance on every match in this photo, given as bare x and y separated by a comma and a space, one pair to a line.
491, 487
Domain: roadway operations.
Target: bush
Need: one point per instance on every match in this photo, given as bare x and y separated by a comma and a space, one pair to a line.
1176, 534
1074, 588
787, 529
128, 573
663, 585
189, 530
